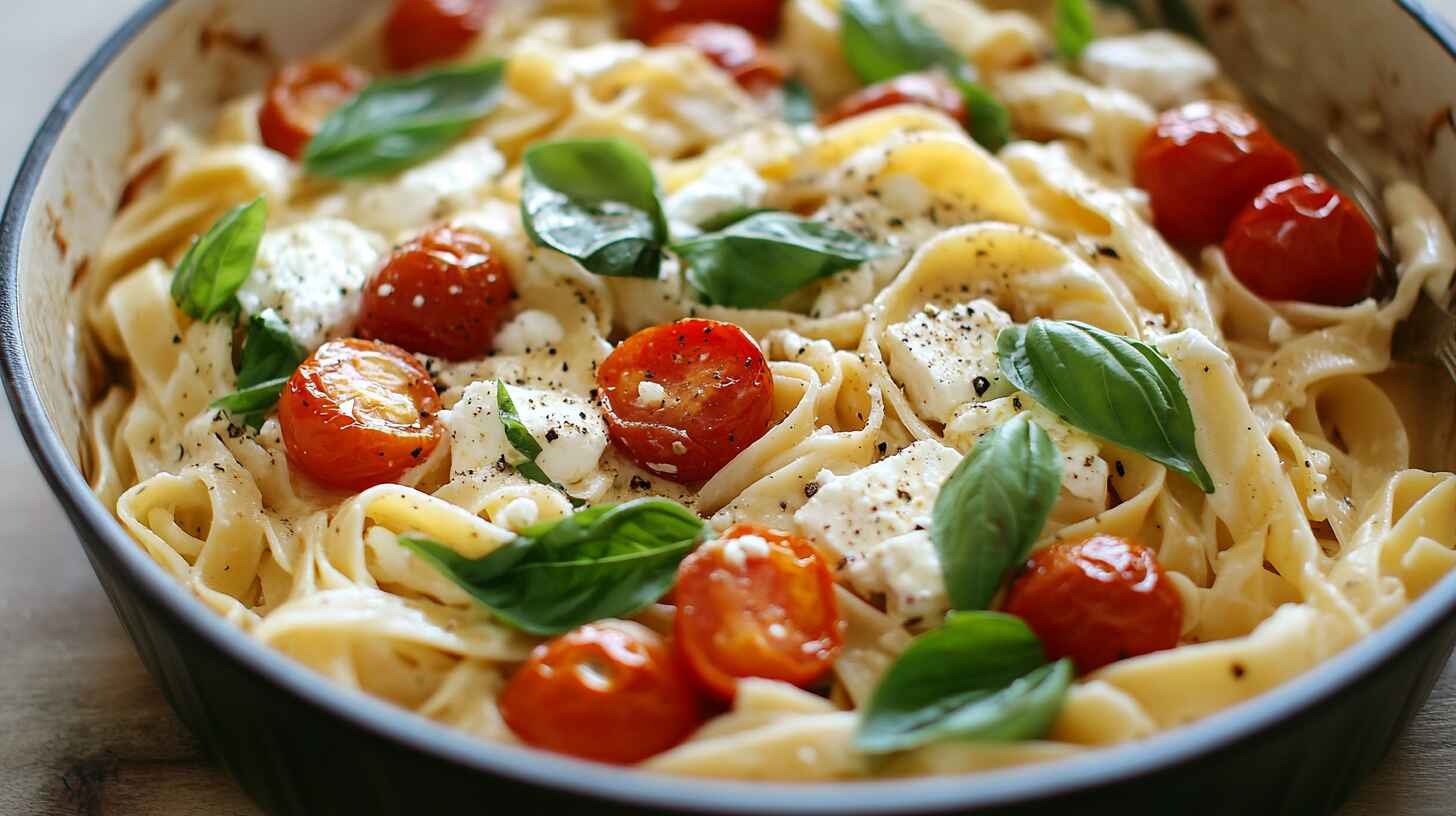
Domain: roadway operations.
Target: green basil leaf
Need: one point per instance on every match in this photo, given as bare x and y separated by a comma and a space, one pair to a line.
1182, 19
524, 442
992, 508
723, 221
397, 123
270, 356
219, 263
1072, 28
605, 562
799, 106
1119, 389
988, 120
254, 399
982, 677
597, 201
761, 259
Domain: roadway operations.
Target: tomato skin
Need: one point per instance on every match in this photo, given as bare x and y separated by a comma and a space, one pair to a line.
652, 17
419, 32
719, 397
445, 294
770, 615
359, 413
610, 691
931, 89
1097, 601
300, 97
1302, 240
732, 48
1203, 164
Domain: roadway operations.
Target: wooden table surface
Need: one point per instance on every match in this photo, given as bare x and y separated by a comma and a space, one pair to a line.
84, 732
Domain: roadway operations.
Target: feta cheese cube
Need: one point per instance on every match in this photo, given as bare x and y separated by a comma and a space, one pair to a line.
427, 193
946, 357
571, 433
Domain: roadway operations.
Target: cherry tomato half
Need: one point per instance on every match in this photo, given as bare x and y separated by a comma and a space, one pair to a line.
1302, 240
931, 89
684, 399
300, 98
756, 603
611, 691
359, 413
1203, 164
732, 48
1097, 601
652, 17
419, 32
445, 294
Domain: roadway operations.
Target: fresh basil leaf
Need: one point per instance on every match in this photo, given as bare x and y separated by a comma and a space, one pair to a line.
761, 259
992, 508
218, 264
1180, 18
397, 123
799, 106
604, 562
723, 221
988, 120
597, 201
982, 677
1119, 389
1072, 28
524, 442
253, 401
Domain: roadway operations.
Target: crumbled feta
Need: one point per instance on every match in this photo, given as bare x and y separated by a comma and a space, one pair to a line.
312, 274
518, 515
571, 433
726, 186
650, 395
426, 193
739, 551
529, 331
1163, 68
946, 358
914, 584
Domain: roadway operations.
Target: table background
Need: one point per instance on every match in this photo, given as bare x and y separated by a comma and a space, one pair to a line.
84, 732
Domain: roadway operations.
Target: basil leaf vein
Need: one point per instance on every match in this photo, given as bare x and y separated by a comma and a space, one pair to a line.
524, 442
270, 356
992, 508
1119, 389
397, 123
981, 677
218, 264
1072, 28
603, 562
757, 261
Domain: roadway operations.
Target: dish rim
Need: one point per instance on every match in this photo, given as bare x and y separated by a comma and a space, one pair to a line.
1098, 768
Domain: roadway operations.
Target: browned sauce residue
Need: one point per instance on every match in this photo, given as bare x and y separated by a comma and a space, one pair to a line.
83, 266
1443, 118
249, 45
1223, 12
135, 184
62, 245
151, 82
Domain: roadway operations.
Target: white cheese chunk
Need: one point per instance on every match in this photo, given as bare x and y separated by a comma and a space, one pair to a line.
312, 273
571, 433
946, 358
727, 186
1163, 68
531, 330
857, 516
427, 193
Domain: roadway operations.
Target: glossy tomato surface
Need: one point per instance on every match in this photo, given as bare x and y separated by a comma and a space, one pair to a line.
609, 691
445, 294
652, 17
756, 603
732, 48
931, 89
419, 32
1203, 164
359, 413
1302, 239
1097, 601
683, 400
299, 99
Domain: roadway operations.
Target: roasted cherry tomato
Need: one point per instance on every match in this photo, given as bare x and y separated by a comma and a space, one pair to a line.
300, 98
1302, 240
652, 17
1203, 164
419, 32
931, 89
359, 413
684, 399
445, 294
611, 691
756, 603
1097, 601
732, 48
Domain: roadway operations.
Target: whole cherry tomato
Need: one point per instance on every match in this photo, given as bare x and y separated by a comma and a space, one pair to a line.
419, 32
611, 691
358, 413
300, 98
732, 48
1302, 240
1097, 601
930, 89
684, 399
1203, 164
756, 603
652, 17
445, 294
